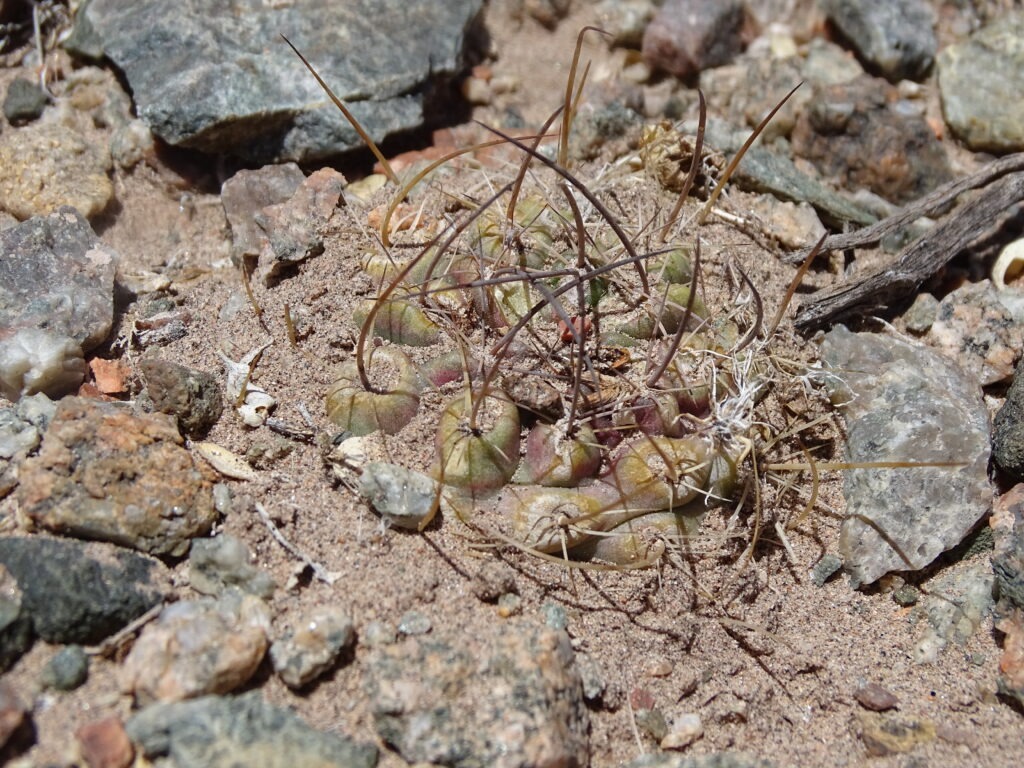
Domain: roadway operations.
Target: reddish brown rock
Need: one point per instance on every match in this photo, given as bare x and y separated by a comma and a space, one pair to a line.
687, 36
876, 698
106, 473
104, 744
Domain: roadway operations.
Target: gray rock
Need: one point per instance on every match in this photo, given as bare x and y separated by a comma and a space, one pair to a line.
414, 623
1008, 432
293, 231
247, 193
56, 302
954, 608
905, 402
1008, 557
860, 134
25, 101
67, 669
81, 593
715, 760
763, 170
824, 569
47, 166
225, 732
921, 314
105, 473
403, 497
192, 397
15, 623
198, 647
894, 38
980, 82
216, 76
222, 562
310, 649
625, 20
509, 699
687, 36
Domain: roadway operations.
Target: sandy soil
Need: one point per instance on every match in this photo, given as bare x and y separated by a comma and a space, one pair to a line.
769, 661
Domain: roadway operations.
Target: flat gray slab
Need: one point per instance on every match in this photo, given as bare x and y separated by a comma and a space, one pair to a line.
215, 75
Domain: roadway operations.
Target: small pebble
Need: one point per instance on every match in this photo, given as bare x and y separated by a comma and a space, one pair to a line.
313, 647
377, 634
684, 731
824, 569
25, 101
104, 744
493, 580
414, 623
555, 616
906, 596
509, 604
876, 698
658, 668
67, 669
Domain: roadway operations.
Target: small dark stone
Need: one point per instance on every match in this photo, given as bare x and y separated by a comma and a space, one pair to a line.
893, 38
824, 569
25, 101
906, 596
81, 593
192, 397
876, 698
67, 669
1008, 432
15, 624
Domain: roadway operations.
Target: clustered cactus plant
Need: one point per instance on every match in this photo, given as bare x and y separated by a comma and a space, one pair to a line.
601, 400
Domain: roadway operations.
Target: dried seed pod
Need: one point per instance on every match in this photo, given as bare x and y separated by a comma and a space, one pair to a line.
352, 407
554, 459
478, 442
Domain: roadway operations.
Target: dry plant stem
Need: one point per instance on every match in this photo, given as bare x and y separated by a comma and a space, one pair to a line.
569, 105
388, 171
112, 643
601, 208
691, 175
247, 285
581, 262
729, 169
290, 326
755, 329
510, 212
670, 353
926, 206
918, 261
794, 284
328, 577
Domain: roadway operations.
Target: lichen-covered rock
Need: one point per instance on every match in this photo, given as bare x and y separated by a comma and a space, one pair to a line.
56, 302
198, 647
215, 75
514, 699
226, 732
905, 402
45, 167
312, 646
105, 473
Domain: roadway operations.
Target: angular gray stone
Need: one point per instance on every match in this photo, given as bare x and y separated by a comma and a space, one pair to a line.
215, 75
56, 302
81, 593
980, 82
516, 700
247, 193
226, 732
67, 669
21, 430
312, 647
222, 562
894, 38
402, 496
687, 36
24, 101
905, 402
